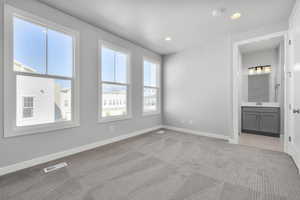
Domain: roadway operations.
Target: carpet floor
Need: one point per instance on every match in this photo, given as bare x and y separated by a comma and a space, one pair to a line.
170, 166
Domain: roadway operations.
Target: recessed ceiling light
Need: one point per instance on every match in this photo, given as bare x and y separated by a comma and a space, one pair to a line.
235, 16
168, 38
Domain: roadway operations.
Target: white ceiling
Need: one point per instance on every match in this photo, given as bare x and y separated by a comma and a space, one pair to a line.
261, 45
188, 22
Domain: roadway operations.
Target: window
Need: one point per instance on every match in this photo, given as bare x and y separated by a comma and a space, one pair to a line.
151, 87
40, 59
28, 107
114, 84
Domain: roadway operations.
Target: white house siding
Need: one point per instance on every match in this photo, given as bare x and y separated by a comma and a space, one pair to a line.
114, 104
42, 89
64, 102
50, 98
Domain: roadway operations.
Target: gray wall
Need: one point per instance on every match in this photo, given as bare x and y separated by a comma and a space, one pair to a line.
17, 149
197, 88
198, 84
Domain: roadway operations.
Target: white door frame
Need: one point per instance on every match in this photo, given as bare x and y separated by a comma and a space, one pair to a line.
236, 85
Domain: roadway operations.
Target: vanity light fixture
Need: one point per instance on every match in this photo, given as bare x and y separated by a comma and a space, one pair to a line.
235, 16
260, 70
267, 69
251, 71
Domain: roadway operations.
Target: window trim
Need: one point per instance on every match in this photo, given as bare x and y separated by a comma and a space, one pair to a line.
10, 127
158, 87
121, 49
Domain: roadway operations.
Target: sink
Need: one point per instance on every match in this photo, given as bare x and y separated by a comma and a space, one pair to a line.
261, 104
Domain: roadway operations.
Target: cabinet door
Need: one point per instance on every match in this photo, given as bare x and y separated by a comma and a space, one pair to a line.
250, 121
269, 122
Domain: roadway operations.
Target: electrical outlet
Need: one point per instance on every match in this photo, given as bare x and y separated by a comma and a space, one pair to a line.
191, 122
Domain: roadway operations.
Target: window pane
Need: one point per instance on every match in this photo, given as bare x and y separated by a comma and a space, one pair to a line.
114, 100
49, 96
121, 67
60, 54
150, 74
29, 47
107, 65
150, 99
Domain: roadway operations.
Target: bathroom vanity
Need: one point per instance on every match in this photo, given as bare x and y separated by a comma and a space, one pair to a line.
261, 92
263, 120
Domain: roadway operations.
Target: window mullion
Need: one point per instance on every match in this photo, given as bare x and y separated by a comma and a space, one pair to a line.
46, 64
114, 83
43, 75
115, 58
151, 87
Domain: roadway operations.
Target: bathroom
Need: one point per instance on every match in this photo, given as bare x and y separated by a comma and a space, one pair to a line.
261, 96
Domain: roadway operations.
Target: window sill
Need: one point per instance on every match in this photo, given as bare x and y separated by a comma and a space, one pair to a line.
30, 130
113, 119
148, 114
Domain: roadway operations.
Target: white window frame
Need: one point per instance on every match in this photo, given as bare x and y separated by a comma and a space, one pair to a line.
10, 127
158, 87
123, 50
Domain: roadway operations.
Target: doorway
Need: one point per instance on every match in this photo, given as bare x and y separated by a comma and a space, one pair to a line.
259, 97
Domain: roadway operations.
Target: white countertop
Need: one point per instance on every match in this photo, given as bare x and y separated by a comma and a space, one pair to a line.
263, 104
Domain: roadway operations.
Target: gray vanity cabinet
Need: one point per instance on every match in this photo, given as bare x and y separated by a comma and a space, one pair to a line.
261, 120
250, 121
269, 122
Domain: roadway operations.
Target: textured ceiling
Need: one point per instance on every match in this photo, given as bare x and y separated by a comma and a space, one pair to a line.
188, 22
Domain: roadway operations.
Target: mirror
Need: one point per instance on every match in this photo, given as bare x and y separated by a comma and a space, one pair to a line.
261, 80
259, 88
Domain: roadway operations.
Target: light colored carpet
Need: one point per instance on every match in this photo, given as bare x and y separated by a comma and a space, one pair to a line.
170, 166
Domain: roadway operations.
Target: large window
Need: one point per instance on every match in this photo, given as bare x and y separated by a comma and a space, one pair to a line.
151, 87
114, 84
40, 75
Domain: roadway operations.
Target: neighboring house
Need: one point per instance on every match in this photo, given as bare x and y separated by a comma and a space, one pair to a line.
150, 100
40, 100
114, 103
64, 102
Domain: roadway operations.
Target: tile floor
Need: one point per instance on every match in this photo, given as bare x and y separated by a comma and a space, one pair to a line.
262, 142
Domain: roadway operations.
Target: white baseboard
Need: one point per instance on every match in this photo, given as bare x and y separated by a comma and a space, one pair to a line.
294, 152
212, 135
233, 140
55, 156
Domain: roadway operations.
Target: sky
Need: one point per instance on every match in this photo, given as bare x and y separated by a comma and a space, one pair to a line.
30, 49
51, 52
